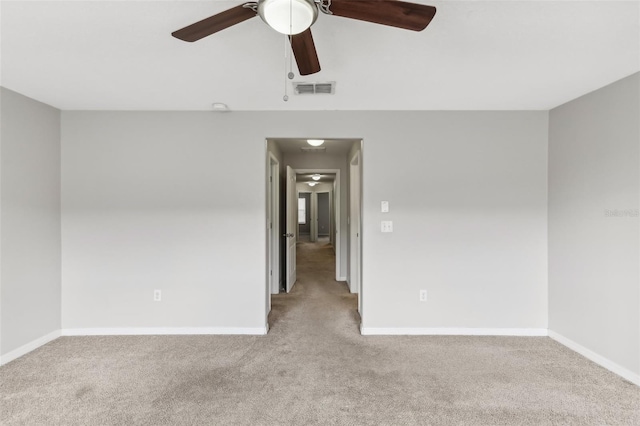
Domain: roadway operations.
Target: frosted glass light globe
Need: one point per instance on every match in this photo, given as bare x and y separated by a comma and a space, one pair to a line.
288, 16
315, 142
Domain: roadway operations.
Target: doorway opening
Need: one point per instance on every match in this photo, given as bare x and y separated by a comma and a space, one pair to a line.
329, 181
355, 228
315, 210
319, 197
273, 227
304, 216
324, 213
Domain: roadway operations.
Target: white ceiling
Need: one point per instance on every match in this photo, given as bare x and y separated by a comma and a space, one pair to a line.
334, 147
475, 55
324, 178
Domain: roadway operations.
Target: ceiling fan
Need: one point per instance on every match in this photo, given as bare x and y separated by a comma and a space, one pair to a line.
295, 17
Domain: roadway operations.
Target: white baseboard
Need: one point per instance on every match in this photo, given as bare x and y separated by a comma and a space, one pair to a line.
392, 331
598, 359
25, 349
162, 331
342, 279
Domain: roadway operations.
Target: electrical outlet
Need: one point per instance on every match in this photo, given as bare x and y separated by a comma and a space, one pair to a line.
157, 295
423, 295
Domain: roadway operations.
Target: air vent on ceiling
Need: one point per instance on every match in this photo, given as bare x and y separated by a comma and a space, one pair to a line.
303, 88
312, 149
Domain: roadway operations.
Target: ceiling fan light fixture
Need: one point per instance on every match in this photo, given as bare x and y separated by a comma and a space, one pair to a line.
220, 107
288, 16
315, 142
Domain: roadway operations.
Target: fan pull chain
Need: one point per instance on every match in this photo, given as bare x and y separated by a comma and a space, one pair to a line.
290, 75
287, 46
286, 41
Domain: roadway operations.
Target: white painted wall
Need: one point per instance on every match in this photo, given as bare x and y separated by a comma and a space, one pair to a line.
175, 201
594, 294
163, 201
29, 223
467, 194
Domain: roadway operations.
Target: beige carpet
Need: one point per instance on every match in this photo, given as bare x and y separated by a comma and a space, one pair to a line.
312, 368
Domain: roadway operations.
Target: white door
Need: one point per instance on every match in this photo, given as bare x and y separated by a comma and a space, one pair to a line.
273, 228
270, 203
292, 227
355, 281
313, 204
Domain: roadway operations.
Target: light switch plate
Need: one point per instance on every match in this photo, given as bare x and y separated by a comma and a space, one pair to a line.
384, 207
386, 226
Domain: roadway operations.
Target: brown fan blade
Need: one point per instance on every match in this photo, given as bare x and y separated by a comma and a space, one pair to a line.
214, 23
305, 52
409, 16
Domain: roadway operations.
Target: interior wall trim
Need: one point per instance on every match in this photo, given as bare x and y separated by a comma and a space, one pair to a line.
28, 347
163, 331
597, 358
402, 331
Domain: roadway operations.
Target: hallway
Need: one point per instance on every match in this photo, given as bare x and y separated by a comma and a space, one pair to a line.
318, 303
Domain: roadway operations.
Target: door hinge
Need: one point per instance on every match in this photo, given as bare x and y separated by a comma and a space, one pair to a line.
270, 272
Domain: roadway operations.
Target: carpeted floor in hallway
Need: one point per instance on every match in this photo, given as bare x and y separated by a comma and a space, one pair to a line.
313, 368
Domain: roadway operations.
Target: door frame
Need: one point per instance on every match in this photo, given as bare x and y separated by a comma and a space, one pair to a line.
318, 210
291, 229
338, 246
272, 228
355, 226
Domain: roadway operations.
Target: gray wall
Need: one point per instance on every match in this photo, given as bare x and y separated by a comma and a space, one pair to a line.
594, 296
474, 235
173, 201
324, 215
30, 221
169, 201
